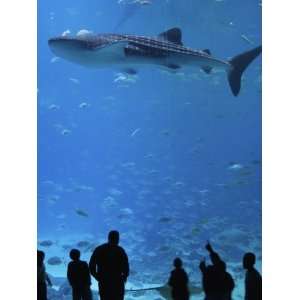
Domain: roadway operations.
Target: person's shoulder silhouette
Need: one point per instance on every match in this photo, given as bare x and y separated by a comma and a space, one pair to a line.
111, 257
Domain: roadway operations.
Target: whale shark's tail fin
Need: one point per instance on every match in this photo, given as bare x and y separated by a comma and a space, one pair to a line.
239, 64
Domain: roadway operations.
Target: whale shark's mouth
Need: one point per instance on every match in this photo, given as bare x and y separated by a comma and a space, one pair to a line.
67, 43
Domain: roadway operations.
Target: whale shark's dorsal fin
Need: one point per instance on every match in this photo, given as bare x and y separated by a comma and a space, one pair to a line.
172, 35
207, 51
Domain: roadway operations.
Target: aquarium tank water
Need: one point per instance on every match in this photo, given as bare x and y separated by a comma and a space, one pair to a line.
166, 155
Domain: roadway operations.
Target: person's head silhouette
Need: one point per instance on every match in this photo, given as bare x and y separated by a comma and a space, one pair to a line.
248, 260
75, 254
113, 237
40, 257
177, 263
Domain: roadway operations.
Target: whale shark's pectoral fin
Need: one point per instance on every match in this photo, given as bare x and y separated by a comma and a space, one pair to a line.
172, 35
170, 68
207, 69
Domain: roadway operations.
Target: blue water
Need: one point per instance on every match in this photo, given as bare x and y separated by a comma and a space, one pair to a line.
170, 160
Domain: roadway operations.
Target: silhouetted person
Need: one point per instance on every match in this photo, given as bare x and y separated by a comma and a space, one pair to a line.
253, 281
178, 281
42, 277
79, 277
217, 283
109, 265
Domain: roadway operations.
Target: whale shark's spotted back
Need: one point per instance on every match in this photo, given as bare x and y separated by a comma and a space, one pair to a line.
161, 46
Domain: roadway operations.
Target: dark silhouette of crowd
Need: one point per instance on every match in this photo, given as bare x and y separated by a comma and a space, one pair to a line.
109, 266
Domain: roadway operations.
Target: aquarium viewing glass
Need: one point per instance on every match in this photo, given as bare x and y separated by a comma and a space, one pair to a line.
149, 123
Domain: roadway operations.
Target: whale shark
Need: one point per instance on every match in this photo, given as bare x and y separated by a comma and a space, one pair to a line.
130, 52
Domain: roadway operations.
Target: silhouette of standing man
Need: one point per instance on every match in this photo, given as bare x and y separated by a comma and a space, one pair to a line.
217, 283
253, 281
109, 266
78, 275
179, 281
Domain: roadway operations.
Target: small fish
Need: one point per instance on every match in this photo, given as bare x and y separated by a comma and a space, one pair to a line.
135, 132
195, 230
165, 219
235, 167
142, 2
109, 98
84, 32
54, 59
54, 261
130, 77
67, 247
46, 243
128, 164
256, 162
179, 184
166, 132
83, 244
83, 105
65, 132
244, 37
66, 32
52, 15
53, 107
74, 80
126, 211
81, 212
164, 248
149, 155
61, 217
115, 192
